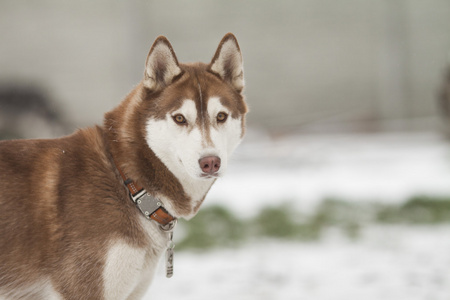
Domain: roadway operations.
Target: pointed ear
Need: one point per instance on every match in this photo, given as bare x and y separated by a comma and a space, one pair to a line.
228, 63
161, 66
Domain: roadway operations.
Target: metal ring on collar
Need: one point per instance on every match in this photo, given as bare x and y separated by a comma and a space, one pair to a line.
169, 227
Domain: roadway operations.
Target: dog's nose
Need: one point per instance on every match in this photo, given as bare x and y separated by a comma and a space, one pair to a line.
209, 164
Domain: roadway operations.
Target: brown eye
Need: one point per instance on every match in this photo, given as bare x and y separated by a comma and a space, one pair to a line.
222, 117
180, 119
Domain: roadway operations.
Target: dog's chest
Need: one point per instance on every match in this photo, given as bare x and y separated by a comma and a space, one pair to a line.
128, 269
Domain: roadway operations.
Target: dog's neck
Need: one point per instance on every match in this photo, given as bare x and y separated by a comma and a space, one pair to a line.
181, 194
152, 208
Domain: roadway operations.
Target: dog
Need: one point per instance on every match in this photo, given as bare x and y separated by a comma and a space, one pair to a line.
89, 215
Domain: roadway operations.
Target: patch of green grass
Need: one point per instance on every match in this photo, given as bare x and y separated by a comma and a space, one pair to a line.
216, 226
417, 210
212, 227
284, 222
280, 222
346, 216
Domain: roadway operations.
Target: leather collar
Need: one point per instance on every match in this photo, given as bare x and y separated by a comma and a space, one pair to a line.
151, 207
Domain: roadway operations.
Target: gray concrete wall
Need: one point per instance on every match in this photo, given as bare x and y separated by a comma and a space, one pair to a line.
307, 62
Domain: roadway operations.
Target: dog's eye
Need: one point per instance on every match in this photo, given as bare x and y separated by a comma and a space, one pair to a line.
179, 119
221, 117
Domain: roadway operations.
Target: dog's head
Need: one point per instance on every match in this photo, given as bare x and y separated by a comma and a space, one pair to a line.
197, 113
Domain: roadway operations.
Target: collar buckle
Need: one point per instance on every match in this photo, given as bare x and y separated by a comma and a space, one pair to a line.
151, 207
146, 203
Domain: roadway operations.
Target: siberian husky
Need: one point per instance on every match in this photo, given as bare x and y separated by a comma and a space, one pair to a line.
88, 216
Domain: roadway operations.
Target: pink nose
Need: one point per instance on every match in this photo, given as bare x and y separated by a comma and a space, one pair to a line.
209, 164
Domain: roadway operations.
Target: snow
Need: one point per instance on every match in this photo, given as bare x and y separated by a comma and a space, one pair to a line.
307, 169
393, 263
386, 262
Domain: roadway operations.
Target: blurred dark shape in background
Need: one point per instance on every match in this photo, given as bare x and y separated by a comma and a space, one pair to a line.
26, 111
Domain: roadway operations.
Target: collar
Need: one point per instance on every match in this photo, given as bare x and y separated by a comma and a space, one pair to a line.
151, 207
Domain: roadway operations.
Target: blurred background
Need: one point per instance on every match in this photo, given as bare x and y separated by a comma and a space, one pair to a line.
341, 189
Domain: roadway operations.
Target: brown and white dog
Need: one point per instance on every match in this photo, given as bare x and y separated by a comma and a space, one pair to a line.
88, 216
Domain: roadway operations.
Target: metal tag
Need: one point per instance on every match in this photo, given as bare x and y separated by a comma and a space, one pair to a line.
169, 262
169, 256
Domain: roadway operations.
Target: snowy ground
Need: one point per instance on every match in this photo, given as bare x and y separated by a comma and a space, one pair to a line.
386, 263
306, 169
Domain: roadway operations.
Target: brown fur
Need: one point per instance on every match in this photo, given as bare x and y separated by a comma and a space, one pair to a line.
62, 200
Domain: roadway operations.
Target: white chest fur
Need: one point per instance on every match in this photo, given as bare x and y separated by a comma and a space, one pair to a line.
129, 270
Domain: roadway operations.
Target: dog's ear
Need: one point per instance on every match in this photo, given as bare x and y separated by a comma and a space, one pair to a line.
228, 63
161, 66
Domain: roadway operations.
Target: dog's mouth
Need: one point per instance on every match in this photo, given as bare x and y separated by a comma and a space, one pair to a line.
210, 176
